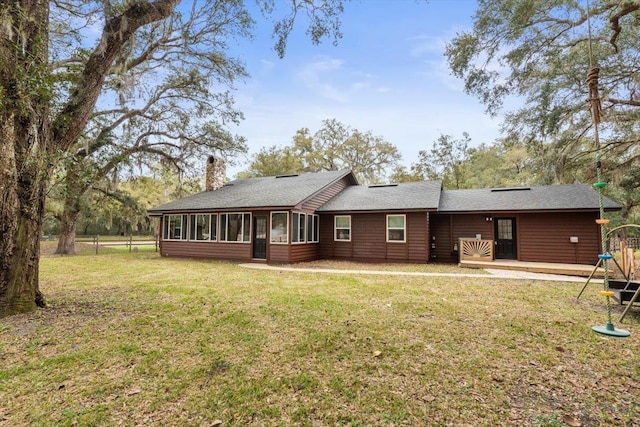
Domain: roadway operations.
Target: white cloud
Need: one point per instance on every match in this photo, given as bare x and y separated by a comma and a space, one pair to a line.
266, 66
426, 45
317, 76
332, 80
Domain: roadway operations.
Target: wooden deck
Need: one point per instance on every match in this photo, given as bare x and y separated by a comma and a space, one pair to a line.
536, 267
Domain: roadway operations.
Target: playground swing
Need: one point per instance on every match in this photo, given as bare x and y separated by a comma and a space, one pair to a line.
625, 268
604, 258
628, 272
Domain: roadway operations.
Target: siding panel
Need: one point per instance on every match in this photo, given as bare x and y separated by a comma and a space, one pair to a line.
304, 252
279, 254
439, 224
418, 236
368, 239
208, 250
325, 195
545, 237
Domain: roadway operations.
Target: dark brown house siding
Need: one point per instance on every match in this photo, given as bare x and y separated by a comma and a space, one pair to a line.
441, 232
540, 236
471, 224
368, 239
278, 254
304, 252
449, 228
545, 237
210, 250
325, 195
418, 236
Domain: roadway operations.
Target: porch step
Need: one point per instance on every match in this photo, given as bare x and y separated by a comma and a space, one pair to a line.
622, 295
536, 267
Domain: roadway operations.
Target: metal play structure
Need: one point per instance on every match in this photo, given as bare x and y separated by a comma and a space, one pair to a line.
605, 257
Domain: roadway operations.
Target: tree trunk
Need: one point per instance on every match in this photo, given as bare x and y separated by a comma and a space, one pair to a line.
70, 213
67, 236
22, 198
24, 136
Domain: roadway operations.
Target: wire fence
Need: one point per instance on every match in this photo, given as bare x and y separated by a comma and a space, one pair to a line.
632, 242
131, 244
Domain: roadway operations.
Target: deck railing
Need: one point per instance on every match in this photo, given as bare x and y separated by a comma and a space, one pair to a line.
476, 250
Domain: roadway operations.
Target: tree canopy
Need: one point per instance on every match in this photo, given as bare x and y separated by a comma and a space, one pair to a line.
541, 51
334, 146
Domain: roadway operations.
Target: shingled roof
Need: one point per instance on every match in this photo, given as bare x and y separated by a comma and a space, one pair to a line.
543, 198
423, 195
268, 192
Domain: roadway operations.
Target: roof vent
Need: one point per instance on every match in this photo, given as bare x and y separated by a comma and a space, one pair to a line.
287, 176
382, 185
497, 190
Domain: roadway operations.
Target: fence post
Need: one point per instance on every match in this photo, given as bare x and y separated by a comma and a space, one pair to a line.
157, 237
130, 242
97, 240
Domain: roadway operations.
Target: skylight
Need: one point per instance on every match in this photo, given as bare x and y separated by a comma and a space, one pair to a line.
496, 190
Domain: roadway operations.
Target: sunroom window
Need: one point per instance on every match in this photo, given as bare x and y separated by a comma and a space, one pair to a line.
203, 227
279, 227
175, 227
312, 228
298, 227
235, 227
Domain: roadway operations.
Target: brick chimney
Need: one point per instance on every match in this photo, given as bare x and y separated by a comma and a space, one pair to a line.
216, 174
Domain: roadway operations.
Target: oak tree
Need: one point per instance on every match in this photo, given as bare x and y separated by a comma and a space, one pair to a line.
43, 114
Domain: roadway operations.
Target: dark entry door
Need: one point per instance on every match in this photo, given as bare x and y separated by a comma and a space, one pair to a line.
505, 238
260, 237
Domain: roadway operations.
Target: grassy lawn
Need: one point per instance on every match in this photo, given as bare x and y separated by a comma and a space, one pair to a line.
135, 339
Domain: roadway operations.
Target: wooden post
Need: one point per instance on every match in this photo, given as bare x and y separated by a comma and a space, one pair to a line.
97, 240
623, 258
130, 242
157, 241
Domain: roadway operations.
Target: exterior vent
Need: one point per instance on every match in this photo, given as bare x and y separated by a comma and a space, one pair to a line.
382, 185
287, 176
498, 190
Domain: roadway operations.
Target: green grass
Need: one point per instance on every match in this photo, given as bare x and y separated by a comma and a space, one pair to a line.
135, 339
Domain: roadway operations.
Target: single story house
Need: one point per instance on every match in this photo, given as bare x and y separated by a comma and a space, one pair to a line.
328, 215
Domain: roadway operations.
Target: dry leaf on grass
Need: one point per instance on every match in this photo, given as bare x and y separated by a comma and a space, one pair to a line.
571, 421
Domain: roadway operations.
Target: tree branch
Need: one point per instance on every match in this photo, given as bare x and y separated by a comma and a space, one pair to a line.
75, 114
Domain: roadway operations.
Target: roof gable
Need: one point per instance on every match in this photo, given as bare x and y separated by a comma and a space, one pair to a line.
549, 197
265, 192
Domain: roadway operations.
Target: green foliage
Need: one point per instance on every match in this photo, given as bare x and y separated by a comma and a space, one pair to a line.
334, 146
272, 161
322, 17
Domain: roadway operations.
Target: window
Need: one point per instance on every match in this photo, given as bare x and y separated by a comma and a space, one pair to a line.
213, 233
203, 227
343, 228
279, 227
235, 227
298, 227
312, 228
175, 227
396, 227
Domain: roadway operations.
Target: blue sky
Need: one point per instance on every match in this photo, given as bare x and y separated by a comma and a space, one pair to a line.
387, 75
